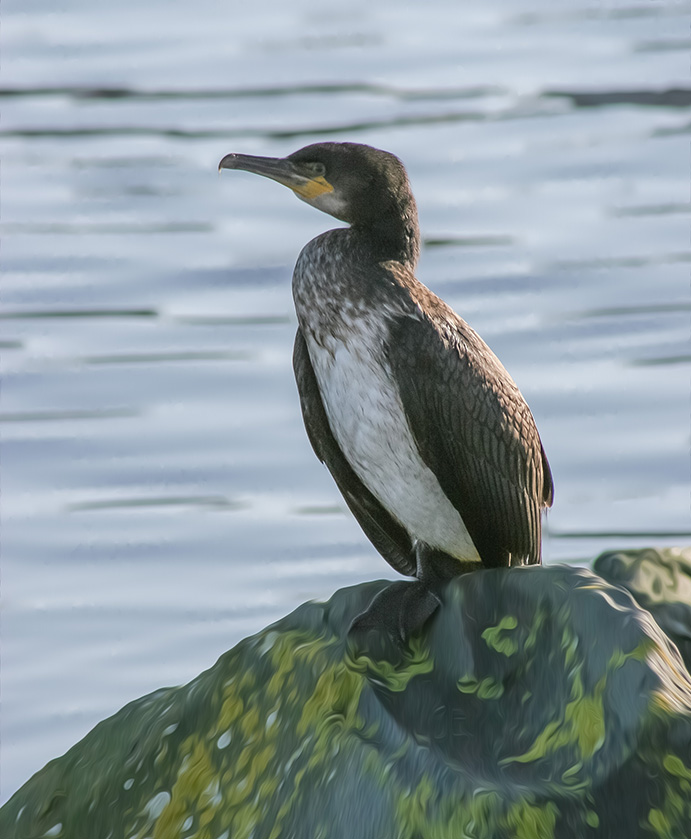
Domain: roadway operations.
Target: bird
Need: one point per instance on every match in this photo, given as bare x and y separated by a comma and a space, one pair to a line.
427, 436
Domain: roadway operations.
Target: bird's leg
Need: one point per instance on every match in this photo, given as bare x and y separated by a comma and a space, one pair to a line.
423, 597
434, 567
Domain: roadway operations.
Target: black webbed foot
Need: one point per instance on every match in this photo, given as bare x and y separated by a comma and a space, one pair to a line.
401, 610
396, 614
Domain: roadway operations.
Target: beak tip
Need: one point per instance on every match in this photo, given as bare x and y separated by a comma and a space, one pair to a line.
226, 162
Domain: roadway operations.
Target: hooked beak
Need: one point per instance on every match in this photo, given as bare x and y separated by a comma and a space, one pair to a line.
279, 169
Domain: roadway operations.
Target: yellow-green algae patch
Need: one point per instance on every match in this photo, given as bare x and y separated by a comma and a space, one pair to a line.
487, 688
328, 715
197, 773
424, 811
676, 766
583, 722
660, 824
330, 710
497, 639
531, 821
333, 703
231, 710
234, 791
582, 726
417, 660
538, 620
413, 808
675, 809
592, 819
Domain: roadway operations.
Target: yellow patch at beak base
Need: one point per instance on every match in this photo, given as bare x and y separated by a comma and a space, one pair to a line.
313, 188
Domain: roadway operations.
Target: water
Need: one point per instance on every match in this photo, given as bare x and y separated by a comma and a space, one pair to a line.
160, 499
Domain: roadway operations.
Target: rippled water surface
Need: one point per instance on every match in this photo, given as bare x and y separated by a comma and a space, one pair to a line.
160, 499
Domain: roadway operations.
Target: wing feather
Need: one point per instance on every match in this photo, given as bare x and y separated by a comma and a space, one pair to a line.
472, 426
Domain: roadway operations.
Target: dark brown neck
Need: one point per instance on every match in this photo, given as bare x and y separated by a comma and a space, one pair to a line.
392, 233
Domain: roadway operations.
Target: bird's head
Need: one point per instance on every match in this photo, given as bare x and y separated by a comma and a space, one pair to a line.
363, 186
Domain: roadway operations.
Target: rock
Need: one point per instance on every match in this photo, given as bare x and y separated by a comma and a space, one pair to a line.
537, 703
660, 581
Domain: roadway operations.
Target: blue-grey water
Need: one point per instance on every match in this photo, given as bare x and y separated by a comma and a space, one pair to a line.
160, 499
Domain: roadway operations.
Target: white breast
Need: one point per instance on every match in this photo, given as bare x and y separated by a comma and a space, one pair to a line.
367, 419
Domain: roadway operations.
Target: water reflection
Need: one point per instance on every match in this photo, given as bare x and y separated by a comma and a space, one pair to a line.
386, 91
208, 501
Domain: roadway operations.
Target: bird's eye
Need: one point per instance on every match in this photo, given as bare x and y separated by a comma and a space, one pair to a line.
316, 169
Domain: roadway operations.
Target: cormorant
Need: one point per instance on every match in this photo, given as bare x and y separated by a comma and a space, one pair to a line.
427, 436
